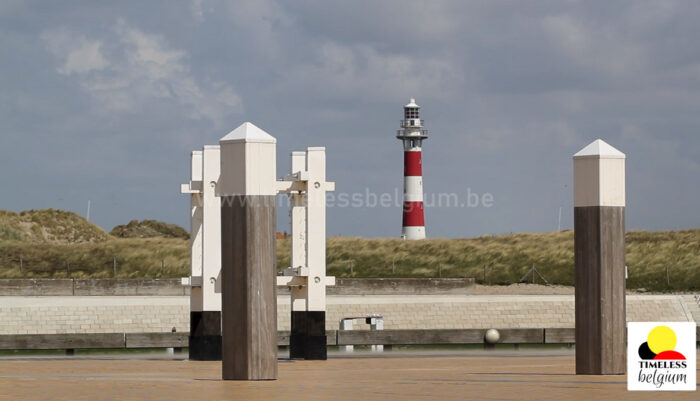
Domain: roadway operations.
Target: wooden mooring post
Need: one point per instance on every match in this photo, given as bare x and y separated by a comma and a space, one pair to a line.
248, 261
599, 247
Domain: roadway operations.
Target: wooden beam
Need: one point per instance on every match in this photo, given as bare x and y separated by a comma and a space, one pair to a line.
442, 336
61, 341
156, 340
351, 337
560, 336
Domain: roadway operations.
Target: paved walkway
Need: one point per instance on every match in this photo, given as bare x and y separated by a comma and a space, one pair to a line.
483, 377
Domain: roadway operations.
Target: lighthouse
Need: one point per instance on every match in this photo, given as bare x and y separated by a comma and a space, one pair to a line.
412, 135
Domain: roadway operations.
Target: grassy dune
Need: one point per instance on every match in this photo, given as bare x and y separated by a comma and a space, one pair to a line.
57, 243
149, 229
135, 257
506, 258
48, 225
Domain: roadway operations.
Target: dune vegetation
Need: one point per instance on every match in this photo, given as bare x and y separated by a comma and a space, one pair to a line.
58, 244
61, 244
149, 229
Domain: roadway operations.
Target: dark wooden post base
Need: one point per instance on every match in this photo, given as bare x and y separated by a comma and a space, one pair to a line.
205, 336
599, 243
308, 337
249, 301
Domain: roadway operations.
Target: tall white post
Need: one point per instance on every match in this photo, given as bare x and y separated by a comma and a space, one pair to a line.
205, 298
211, 246
316, 229
306, 277
194, 189
298, 203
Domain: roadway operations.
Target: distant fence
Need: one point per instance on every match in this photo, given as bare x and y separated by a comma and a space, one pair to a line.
105, 267
173, 287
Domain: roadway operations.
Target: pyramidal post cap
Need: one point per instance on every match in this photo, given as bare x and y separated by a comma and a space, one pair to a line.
599, 149
248, 133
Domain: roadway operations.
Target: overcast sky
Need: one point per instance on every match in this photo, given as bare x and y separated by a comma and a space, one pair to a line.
104, 102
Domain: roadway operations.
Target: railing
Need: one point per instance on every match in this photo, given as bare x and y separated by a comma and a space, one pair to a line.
410, 122
402, 133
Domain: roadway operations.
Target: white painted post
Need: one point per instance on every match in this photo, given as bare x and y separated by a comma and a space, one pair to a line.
194, 188
211, 244
306, 278
299, 293
205, 233
316, 228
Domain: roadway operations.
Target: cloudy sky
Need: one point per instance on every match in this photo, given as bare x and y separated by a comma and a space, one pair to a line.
104, 102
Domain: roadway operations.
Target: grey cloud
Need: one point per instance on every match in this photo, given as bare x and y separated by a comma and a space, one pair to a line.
108, 100
140, 69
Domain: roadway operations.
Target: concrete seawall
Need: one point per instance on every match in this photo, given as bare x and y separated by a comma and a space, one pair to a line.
173, 287
151, 305
119, 314
91, 287
399, 286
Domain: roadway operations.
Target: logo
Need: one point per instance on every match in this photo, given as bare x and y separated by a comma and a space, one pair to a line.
660, 345
661, 356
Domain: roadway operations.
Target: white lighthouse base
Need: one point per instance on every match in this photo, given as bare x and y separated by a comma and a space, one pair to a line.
414, 232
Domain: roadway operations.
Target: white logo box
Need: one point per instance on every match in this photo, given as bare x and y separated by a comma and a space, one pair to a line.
661, 375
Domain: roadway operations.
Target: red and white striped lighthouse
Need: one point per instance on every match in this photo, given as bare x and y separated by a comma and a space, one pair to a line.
412, 135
